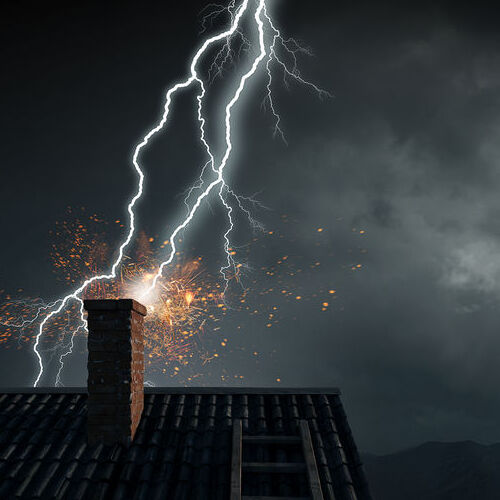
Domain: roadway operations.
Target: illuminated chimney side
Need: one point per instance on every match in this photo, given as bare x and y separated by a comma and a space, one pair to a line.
115, 370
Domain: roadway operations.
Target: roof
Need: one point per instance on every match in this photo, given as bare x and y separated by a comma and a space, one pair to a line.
182, 448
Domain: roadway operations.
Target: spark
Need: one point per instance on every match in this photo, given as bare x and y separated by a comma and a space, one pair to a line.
189, 296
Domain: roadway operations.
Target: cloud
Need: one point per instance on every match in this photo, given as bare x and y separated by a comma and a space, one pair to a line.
476, 267
409, 152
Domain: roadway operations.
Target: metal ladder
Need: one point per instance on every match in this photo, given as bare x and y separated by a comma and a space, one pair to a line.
309, 464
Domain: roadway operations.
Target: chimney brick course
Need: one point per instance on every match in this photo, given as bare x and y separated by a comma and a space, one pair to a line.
115, 370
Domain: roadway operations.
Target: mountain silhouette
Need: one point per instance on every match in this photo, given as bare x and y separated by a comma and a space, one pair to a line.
462, 470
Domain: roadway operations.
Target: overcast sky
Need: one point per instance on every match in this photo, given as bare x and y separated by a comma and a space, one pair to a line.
406, 150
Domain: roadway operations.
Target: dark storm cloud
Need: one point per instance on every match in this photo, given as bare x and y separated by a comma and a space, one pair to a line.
407, 150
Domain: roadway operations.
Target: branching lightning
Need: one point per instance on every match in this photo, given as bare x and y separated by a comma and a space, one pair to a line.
270, 45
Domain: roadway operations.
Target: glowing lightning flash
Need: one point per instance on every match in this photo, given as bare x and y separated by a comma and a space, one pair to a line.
266, 48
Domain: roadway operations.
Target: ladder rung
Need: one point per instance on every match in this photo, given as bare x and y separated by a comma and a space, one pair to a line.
272, 439
275, 467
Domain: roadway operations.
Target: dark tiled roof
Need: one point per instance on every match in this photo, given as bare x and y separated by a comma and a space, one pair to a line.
182, 449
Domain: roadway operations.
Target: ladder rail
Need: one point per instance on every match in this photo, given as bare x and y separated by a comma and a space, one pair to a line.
312, 467
236, 461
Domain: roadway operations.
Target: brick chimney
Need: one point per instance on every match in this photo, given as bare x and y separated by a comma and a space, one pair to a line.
115, 370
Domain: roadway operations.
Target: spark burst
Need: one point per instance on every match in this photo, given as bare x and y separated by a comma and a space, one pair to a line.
270, 42
186, 304
185, 337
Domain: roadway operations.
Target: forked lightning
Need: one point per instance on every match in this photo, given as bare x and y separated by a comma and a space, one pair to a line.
273, 51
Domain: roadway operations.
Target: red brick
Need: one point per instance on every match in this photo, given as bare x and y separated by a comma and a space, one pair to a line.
116, 369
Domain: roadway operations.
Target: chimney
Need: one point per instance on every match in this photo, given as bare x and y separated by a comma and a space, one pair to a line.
115, 370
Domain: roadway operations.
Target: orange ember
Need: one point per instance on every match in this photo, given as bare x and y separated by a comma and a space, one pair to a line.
189, 298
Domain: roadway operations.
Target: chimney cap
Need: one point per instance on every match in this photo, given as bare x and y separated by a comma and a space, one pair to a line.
114, 304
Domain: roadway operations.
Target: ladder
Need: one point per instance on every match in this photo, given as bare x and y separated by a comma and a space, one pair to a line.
309, 465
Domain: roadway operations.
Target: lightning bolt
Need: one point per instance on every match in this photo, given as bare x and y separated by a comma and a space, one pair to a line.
219, 181
70, 345
267, 51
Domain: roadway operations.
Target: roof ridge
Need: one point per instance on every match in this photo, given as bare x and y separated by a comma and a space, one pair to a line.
181, 390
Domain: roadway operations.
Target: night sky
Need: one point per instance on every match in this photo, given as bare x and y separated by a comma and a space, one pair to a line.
399, 168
